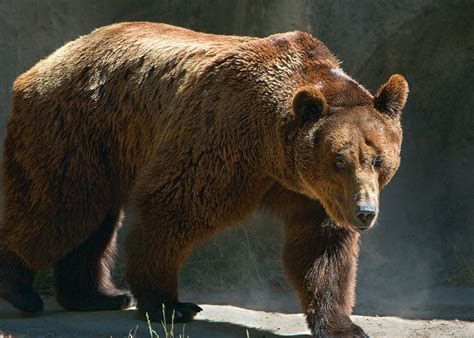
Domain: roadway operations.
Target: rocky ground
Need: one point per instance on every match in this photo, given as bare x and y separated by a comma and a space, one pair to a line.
214, 321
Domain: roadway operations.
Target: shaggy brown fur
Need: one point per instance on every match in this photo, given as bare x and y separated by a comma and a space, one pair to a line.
193, 132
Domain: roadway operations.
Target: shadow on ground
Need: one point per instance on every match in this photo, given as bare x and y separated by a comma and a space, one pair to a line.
215, 321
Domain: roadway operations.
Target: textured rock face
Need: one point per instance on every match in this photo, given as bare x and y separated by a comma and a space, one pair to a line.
426, 232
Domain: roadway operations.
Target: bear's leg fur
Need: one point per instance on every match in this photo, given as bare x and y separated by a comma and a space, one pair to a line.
320, 261
154, 282
83, 281
321, 264
16, 283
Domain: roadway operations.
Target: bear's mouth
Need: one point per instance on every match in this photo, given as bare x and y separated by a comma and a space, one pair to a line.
347, 220
363, 225
335, 210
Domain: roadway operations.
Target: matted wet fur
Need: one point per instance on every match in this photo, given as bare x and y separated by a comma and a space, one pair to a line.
192, 132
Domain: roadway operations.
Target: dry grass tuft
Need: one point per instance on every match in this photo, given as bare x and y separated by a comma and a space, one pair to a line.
167, 333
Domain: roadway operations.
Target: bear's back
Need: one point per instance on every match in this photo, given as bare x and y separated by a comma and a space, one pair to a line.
120, 45
114, 92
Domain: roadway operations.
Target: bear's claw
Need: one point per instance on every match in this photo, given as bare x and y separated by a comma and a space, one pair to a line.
183, 312
23, 298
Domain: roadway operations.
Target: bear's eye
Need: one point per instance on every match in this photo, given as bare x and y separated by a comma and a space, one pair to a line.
377, 161
340, 162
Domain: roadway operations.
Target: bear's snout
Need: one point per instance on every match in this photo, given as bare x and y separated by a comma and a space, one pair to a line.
365, 214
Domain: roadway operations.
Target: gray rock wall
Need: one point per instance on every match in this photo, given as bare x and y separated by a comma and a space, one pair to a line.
425, 239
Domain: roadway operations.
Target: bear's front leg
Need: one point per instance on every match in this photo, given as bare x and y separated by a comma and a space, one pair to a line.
154, 257
321, 261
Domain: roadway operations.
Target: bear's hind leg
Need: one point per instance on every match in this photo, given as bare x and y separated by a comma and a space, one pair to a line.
83, 281
16, 283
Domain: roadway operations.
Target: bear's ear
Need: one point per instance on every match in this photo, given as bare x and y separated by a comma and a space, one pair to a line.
309, 104
392, 96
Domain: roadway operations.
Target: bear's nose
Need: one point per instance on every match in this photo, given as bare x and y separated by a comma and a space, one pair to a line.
366, 214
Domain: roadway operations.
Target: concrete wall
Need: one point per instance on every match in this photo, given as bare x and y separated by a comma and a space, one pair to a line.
422, 252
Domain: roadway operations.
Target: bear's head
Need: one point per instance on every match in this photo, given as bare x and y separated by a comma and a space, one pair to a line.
344, 154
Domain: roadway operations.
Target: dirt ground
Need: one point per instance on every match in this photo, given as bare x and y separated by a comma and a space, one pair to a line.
214, 321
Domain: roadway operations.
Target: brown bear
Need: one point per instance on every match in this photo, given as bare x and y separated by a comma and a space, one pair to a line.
191, 132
